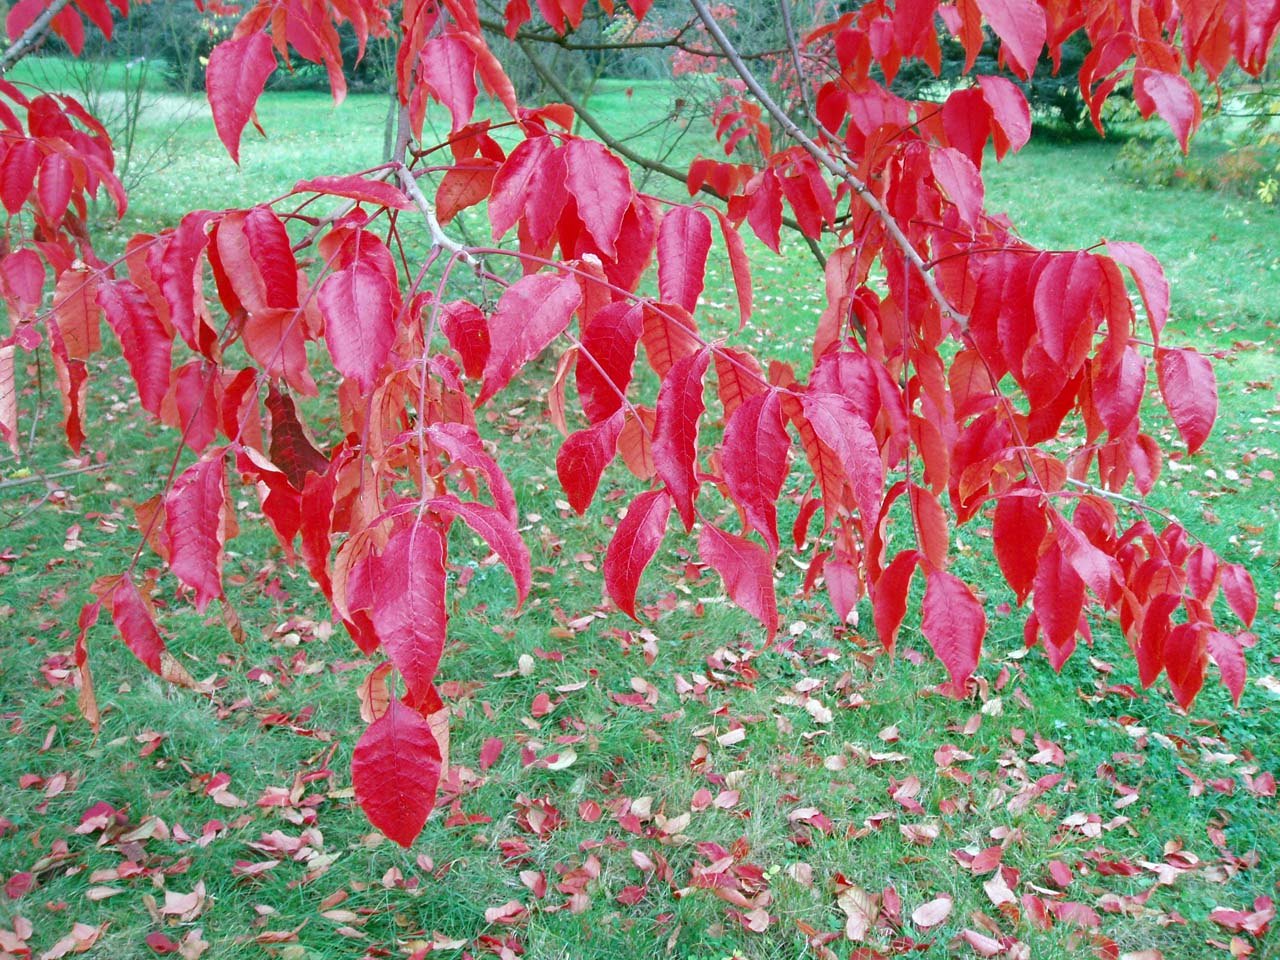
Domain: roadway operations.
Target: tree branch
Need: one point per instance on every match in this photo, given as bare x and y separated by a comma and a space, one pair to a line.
620, 148
32, 37
828, 161
785, 7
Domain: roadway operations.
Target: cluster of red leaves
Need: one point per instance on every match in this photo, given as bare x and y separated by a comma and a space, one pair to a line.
949, 357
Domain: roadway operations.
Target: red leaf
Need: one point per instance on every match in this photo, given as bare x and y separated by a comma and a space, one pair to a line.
1059, 596
889, 597
358, 188
601, 185
1170, 95
739, 266
675, 436
754, 460
1018, 531
532, 312
465, 447
1227, 652
133, 619
583, 457
954, 624
468, 333
498, 532
76, 316
275, 339
146, 344
1242, 598
684, 240
408, 611
1151, 281
359, 322
237, 74
18, 174
1020, 25
449, 68
608, 354
195, 510
634, 543
1118, 389
1184, 656
291, 449
395, 770
1190, 391
1011, 114
514, 181
1064, 292
838, 424
56, 182
747, 571
961, 182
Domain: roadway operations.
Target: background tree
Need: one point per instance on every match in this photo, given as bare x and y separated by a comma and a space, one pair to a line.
957, 371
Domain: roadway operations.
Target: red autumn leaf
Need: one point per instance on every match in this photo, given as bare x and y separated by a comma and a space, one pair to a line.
634, 543
1242, 598
146, 345
583, 457
1170, 95
601, 185
195, 525
754, 460
1059, 596
675, 436
961, 182
490, 751
359, 322
1228, 653
18, 174
607, 355
684, 240
1184, 660
1118, 389
449, 68
739, 267
1190, 391
1151, 281
514, 181
838, 424
408, 611
467, 331
531, 313
132, 617
1020, 25
354, 187
889, 596
237, 74
395, 770
1064, 291
291, 449
54, 189
747, 571
465, 448
1018, 531
954, 624
497, 530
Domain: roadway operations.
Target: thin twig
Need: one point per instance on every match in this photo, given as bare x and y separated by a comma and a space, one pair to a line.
785, 7
41, 477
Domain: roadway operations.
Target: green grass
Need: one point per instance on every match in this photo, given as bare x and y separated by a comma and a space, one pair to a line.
354, 894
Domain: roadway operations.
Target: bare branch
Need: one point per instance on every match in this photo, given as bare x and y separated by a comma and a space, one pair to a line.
785, 7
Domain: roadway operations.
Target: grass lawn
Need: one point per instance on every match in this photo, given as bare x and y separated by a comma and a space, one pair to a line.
624, 792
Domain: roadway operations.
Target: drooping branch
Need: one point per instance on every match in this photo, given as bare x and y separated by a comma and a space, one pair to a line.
32, 37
